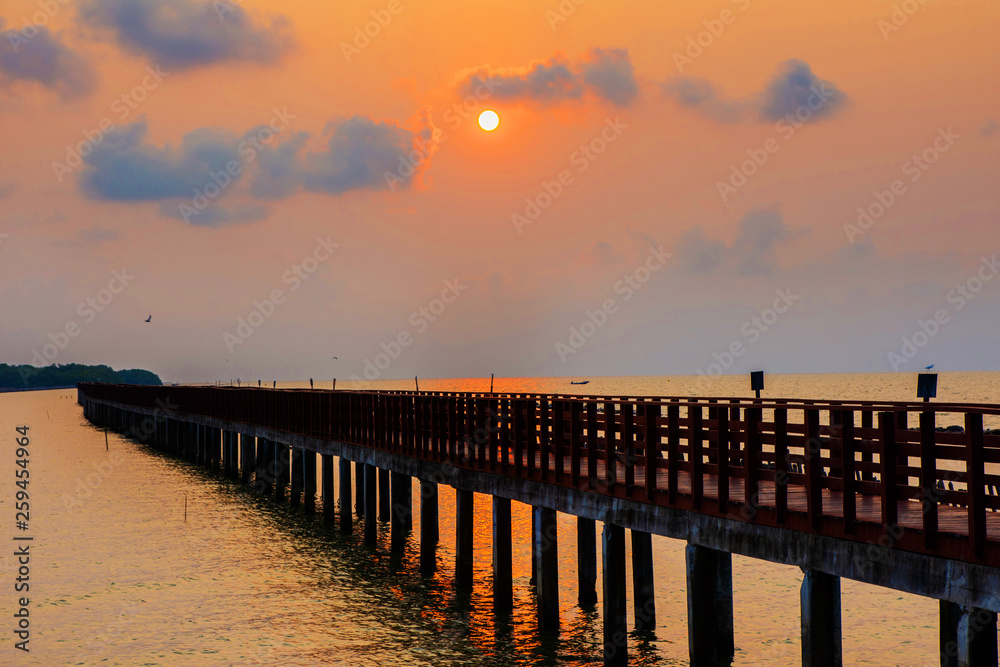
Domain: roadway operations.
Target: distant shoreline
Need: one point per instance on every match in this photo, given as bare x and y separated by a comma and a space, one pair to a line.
11, 390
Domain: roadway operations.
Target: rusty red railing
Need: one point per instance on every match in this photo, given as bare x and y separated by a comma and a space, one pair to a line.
869, 471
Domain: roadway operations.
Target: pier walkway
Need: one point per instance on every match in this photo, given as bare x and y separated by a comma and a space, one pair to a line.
878, 492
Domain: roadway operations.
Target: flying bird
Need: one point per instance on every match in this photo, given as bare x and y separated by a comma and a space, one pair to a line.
335, 357
149, 318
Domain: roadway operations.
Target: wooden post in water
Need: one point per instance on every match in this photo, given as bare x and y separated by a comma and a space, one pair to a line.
265, 458
402, 510
710, 606
296, 458
503, 570
248, 443
642, 581
309, 483
384, 498
359, 488
346, 518
371, 502
329, 504
615, 623
464, 527
821, 627
968, 636
282, 458
586, 560
547, 568
428, 525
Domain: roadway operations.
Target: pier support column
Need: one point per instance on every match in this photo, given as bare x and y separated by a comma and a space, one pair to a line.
297, 477
545, 539
402, 510
309, 481
615, 614
642, 581
586, 560
260, 482
371, 501
329, 505
428, 525
359, 488
248, 456
282, 458
464, 527
346, 520
503, 569
821, 627
968, 636
384, 502
710, 606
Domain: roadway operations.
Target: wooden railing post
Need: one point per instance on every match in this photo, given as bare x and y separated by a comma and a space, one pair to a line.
610, 448
887, 461
928, 477
652, 452
813, 449
751, 462
696, 444
673, 450
848, 449
976, 481
723, 436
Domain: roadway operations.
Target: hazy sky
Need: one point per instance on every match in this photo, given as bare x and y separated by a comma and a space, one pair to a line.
777, 184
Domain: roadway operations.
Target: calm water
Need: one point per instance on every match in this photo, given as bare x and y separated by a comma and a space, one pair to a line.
119, 577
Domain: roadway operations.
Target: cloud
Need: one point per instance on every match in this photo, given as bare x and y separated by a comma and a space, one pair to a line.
793, 90
189, 33
795, 87
752, 252
358, 155
210, 164
989, 127
93, 235
217, 215
700, 94
603, 73
6, 189
124, 168
44, 59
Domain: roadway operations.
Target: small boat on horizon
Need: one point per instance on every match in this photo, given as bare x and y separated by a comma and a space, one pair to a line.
580, 382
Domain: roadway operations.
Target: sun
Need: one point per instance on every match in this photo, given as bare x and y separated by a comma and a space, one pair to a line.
489, 120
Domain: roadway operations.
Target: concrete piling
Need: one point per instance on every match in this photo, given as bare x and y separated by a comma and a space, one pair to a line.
428, 525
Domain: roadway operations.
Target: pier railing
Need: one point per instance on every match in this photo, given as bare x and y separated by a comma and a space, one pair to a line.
872, 472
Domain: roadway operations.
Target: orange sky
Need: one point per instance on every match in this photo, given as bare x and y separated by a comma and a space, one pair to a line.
527, 287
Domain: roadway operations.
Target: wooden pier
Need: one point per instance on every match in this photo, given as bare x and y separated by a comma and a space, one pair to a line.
871, 491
